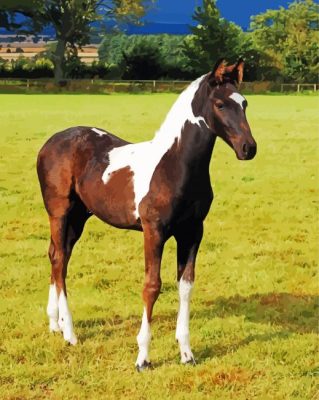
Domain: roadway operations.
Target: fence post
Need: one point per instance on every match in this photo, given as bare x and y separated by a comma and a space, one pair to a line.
154, 86
314, 87
28, 84
298, 87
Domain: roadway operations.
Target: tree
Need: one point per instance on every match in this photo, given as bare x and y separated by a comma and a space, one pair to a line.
289, 41
142, 61
212, 38
155, 55
4, 20
72, 21
175, 63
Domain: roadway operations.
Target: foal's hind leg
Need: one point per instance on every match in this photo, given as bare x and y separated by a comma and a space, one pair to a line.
153, 248
188, 240
65, 231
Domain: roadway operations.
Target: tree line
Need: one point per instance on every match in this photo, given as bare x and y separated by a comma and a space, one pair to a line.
281, 45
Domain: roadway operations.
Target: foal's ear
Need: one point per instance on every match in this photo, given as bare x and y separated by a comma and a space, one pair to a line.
216, 76
236, 72
240, 69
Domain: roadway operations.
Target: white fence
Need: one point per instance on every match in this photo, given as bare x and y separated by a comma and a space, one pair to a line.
15, 85
298, 87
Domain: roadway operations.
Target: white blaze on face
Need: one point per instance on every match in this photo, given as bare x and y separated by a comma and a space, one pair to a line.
143, 158
99, 132
65, 320
143, 341
238, 98
182, 327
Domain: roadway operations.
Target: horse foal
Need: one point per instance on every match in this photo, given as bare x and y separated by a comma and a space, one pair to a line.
160, 187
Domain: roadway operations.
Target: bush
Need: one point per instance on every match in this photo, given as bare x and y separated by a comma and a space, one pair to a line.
75, 69
142, 62
43, 68
26, 68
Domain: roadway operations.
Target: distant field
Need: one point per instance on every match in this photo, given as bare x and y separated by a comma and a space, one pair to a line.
255, 304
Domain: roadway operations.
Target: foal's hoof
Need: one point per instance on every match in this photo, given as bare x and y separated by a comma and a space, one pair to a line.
71, 340
188, 359
190, 362
144, 366
54, 326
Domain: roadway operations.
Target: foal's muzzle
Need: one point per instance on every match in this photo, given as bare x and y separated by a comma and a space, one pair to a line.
245, 150
249, 151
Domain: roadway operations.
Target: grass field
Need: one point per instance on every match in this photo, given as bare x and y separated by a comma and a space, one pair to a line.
255, 306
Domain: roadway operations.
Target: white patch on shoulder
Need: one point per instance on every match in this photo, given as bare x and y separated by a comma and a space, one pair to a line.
238, 98
143, 158
99, 132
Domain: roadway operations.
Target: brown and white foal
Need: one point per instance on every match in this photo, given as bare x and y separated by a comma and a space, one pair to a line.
161, 187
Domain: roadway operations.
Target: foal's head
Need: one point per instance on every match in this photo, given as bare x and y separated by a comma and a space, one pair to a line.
226, 109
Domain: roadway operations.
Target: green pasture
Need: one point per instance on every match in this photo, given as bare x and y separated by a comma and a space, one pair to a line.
255, 307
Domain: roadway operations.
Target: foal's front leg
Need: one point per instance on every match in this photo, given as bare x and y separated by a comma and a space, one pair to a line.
153, 248
188, 240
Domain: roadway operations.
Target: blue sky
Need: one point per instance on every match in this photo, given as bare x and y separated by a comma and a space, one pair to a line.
238, 11
175, 16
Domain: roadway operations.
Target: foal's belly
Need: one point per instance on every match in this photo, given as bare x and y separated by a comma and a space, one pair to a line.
112, 202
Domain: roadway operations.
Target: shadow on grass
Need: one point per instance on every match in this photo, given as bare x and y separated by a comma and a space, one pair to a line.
108, 326
208, 352
293, 313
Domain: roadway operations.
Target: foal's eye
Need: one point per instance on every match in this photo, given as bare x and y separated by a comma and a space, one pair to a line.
220, 106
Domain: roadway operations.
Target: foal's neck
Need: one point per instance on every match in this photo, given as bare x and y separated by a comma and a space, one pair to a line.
196, 146
185, 126
181, 112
